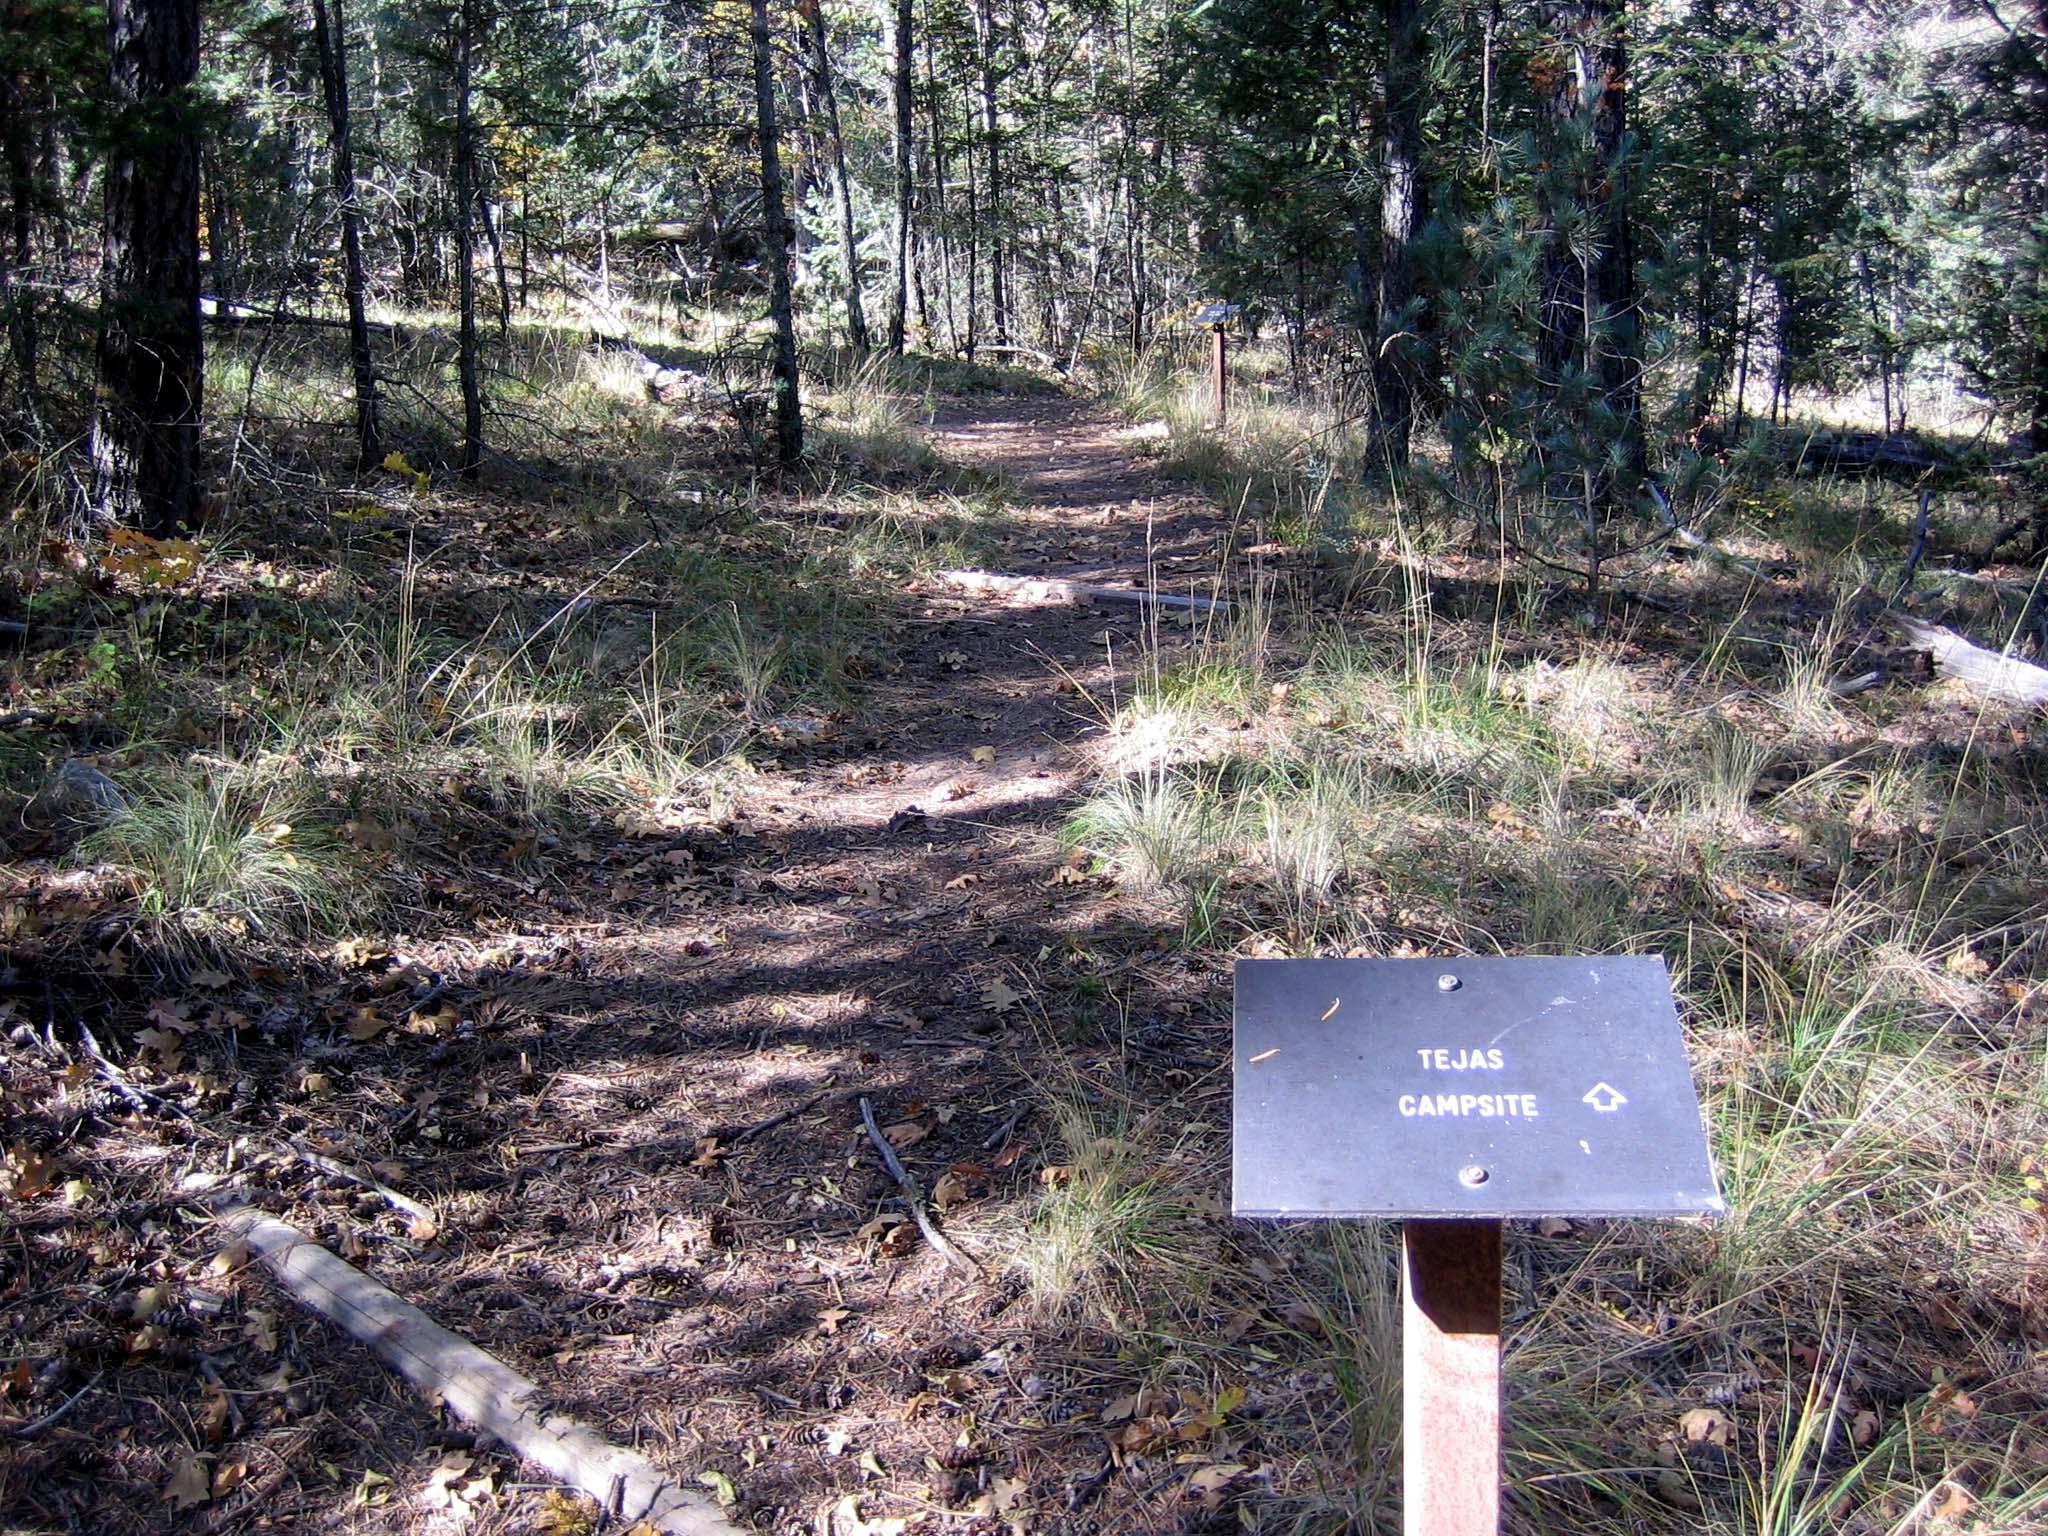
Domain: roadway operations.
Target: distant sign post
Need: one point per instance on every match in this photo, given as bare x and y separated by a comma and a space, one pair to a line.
1217, 318
1451, 1095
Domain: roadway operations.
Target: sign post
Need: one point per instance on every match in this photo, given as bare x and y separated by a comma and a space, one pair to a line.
1217, 318
1454, 1095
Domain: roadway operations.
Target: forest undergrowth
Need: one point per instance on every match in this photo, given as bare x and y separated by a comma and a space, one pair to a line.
1395, 744
397, 801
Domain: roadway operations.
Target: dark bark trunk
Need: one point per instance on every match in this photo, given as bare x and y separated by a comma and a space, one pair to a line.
145, 434
465, 246
992, 158
789, 421
904, 41
849, 247
17, 262
489, 221
1588, 347
1395, 348
330, 35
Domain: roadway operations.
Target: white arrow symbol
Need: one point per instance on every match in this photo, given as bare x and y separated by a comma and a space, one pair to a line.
1604, 1098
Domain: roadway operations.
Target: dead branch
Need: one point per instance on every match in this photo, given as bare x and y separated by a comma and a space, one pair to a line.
1045, 588
1919, 547
34, 1427
391, 1197
913, 1196
476, 1387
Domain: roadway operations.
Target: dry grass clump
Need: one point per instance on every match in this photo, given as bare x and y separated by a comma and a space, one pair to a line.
221, 856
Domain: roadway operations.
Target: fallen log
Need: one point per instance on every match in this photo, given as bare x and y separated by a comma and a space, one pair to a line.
1051, 589
476, 1387
1996, 673
2001, 675
225, 312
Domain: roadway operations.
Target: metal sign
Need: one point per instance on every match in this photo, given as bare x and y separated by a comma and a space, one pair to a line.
1216, 314
1526, 1086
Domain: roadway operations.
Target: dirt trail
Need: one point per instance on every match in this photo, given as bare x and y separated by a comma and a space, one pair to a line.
861, 926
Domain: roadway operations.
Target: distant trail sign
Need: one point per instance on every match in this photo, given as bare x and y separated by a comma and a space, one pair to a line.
1460, 1088
1452, 1094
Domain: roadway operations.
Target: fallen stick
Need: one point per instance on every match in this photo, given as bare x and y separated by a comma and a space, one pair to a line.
1048, 587
476, 1387
398, 1202
33, 1427
913, 1196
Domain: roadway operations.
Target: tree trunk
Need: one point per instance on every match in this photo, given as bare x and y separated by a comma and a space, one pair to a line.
849, 247
489, 221
973, 237
900, 87
330, 36
789, 421
992, 158
19, 257
1588, 347
935, 153
145, 432
465, 245
1395, 347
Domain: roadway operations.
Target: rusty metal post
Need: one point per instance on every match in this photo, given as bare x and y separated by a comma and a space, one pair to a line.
1222, 379
1450, 1377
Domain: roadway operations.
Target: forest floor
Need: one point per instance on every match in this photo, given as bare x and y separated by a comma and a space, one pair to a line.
609, 992
638, 1120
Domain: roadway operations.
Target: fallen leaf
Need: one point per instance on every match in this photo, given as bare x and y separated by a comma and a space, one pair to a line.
448, 1472
999, 997
259, 1327
374, 1489
1710, 1425
1209, 1484
905, 1133
190, 1483
149, 1301
214, 1415
229, 1476
167, 1045
29, 1173
567, 1514
367, 1024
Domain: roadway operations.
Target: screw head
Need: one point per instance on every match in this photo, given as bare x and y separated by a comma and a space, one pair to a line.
1448, 983
1472, 1175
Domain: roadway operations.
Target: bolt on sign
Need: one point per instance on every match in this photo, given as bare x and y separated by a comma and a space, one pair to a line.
1453, 1094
